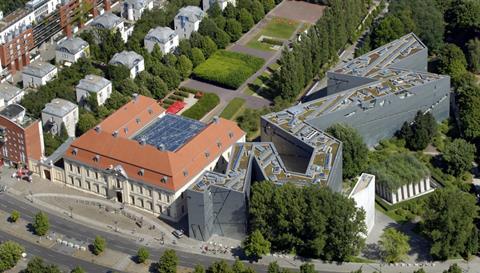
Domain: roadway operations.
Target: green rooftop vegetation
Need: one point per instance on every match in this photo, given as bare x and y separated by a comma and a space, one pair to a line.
396, 170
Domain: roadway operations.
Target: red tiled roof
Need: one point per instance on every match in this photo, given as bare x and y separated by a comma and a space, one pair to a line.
179, 166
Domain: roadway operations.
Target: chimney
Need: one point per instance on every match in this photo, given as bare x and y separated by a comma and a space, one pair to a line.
142, 141
161, 147
215, 119
135, 97
115, 133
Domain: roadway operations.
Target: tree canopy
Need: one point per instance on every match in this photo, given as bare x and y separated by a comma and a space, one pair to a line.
458, 156
449, 222
420, 132
255, 246
313, 221
10, 254
355, 152
394, 245
41, 225
168, 262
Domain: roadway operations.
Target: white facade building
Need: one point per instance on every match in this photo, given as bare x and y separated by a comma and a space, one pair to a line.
132, 10
112, 22
164, 37
71, 49
60, 111
42, 8
25, 19
38, 74
10, 94
132, 60
405, 192
364, 195
206, 4
93, 85
188, 20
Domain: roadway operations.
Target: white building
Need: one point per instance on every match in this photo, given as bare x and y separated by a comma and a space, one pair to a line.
11, 28
112, 22
71, 49
60, 111
405, 192
133, 9
93, 85
10, 94
364, 195
164, 37
222, 3
188, 20
130, 59
38, 74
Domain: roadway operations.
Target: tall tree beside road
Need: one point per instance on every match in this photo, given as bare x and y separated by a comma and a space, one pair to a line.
37, 265
454, 268
394, 245
10, 253
307, 268
41, 225
98, 245
418, 134
168, 262
449, 222
142, 254
313, 221
255, 246
355, 152
459, 156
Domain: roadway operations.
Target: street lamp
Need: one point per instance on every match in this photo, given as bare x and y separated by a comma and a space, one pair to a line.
71, 211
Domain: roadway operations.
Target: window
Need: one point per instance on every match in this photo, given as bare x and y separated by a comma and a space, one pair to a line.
132, 200
141, 203
131, 187
96, 175
71, 180
141, 189
78, 169
71, 167
168, 198
150, 192
88, 173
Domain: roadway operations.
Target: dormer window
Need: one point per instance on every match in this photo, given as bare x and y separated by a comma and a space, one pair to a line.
230, 134
185, 173
74, 151
137, 120
141, 172
164, 179
219, 144
96, 158
207, 154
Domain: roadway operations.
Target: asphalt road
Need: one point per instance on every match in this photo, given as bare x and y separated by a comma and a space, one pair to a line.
87, 234
54, 257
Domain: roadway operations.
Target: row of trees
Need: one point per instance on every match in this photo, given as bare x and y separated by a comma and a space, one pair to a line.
318, 48
311, 221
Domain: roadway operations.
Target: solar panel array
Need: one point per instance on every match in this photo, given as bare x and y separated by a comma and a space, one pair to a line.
170, 131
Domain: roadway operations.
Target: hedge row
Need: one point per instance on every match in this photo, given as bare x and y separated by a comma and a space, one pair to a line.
204, 105
232, 108
228, 69
181, 93
188, 90
272, 41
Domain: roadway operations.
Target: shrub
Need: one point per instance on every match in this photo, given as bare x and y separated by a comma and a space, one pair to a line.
98, 245
14, 216
204, 105
272, 41
228, 69
175, 97
142, 254
188, 90
41, 224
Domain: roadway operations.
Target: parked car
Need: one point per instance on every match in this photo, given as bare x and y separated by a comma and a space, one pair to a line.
178, 233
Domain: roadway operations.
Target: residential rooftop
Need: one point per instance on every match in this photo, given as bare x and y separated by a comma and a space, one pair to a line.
191, 13
382, 57
160, 34
93, 83
17, 114
38, 69
107, 20
362, 183
59, 107
8, 91
72, 45
13, 17
126, 58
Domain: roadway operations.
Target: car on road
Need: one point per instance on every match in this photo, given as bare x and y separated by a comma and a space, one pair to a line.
178, 233
3, 188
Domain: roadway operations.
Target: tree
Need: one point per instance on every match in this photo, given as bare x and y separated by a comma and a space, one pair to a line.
77, 269
459, 156
246, 20
219, 267
273, 267
473, 55
268, 5
197, 56
10, 253
418, 134
86, 121
37, 265
307, 268
214, 10
117, 73
388, 29
63, 133
184, 66
355, 151
92, 102
468, 99
234, 29
452, 61
238, 266
257, 11
394, 245
14, 216
454, 268
448, 222
51, 143
198, 269
41, 224
116, 101
98, 245
142, 254
168, 262
255, 246
230, 11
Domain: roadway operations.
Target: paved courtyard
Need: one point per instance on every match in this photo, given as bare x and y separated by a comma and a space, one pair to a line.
299, 11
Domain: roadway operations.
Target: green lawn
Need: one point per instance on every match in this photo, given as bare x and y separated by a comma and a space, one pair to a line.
279, 28
233, 108
228, 69
204, 105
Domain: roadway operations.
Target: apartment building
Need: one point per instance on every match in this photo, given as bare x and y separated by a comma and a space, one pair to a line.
188, 20
164, 37
131, 60
132, 10
21, 137
10, 94
71, 49
93, 85
38, 74
143, 157
58, 112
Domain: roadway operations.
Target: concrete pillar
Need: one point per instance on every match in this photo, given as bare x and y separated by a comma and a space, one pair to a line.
422, 186
417, 188
427, 183
399, 194
68, 30
394, 198
411, 193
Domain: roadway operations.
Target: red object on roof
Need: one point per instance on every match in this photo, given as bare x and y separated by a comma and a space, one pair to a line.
176, 107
